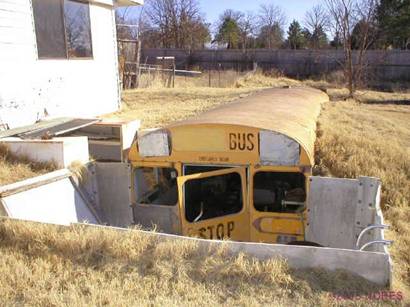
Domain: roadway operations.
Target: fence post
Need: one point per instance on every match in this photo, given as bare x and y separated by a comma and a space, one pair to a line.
219, 74
138, 60
173, 75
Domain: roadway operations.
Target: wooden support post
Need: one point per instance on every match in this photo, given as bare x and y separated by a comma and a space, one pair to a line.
138, 60
173, 76
219, 74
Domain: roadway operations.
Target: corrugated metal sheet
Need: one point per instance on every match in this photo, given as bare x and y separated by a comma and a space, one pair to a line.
59, 129
50, 128
40, 125
292, 112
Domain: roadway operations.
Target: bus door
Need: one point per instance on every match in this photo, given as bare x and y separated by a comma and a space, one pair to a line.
213, 205
277, 197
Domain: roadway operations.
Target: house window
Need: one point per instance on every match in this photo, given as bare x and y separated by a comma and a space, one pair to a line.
63, 29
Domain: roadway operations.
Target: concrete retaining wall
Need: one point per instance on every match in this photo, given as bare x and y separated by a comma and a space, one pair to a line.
107, 188
51, 198
61, 151
375, 267
344, 207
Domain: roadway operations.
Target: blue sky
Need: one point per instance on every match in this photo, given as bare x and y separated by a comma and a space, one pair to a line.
294, 9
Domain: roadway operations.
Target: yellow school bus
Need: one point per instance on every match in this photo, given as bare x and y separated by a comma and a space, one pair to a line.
237, 172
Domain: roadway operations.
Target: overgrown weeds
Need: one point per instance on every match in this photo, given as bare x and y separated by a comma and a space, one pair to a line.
51, 265
14, 167
357, 139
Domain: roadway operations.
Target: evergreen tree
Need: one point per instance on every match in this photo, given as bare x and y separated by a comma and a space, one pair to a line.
394, 21
337, 41
318, 39
229, 33
296, 39
358, 35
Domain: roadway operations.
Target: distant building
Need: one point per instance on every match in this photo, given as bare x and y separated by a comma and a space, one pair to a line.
58, 58
214, 45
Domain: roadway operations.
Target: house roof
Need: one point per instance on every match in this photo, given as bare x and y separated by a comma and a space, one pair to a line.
118, 3
128, 2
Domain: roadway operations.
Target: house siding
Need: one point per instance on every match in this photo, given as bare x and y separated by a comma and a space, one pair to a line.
31, 88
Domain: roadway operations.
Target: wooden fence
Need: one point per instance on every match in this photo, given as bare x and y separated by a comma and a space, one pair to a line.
391, 65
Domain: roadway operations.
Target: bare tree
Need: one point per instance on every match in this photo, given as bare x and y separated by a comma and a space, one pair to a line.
130, 22
178, 22
344, 16
271, 18
316, 24
247, 26
317, 17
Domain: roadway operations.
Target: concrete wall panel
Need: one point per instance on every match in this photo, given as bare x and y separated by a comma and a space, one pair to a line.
51, 198
113, 184
372, 266
339, 209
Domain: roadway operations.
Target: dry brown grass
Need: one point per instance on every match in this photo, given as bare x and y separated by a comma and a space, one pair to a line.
44, 265
159, 106
259, 79
15, 168
373, 140
213, 78
49, 265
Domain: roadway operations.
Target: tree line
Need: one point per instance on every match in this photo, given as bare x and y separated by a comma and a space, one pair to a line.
355, 26
379, 24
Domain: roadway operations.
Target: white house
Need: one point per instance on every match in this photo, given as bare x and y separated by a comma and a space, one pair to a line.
58, 58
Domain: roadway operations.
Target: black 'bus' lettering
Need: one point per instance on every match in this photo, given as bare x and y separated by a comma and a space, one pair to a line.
242, 143
232, 141
251, 145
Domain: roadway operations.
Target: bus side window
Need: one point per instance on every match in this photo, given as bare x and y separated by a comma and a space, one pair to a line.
279, 192
156, 186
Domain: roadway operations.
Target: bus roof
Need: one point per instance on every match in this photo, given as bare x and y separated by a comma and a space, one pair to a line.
291, 111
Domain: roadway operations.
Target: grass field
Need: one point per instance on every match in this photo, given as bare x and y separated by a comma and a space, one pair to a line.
49, 265
43, 265
13, 168
373, 140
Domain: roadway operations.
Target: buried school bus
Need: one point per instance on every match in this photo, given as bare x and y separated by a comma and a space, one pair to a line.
240, 172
